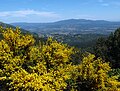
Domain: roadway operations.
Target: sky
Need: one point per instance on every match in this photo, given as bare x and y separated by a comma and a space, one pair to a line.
55, 10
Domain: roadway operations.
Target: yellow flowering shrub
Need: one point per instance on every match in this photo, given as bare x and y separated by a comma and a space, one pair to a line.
92, 74
26, 67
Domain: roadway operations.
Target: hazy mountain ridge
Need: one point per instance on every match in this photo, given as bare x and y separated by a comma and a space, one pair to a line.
77, 26
24, 31
5, 25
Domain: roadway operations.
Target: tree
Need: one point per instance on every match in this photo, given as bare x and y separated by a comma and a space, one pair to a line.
109, 49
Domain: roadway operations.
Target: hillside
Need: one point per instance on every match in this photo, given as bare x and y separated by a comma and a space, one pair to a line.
76, 26
24, 31
4, 25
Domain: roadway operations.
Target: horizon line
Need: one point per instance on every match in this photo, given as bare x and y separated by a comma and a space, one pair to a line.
63, 20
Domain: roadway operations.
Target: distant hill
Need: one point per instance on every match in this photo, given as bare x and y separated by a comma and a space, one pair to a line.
4, 25
24, 31
71, 26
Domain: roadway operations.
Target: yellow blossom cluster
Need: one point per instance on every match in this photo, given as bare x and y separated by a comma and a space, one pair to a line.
25, 66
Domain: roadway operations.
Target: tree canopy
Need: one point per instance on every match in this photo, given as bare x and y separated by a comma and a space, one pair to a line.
109, 49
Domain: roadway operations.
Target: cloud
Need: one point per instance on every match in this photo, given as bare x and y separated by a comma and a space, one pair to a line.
105, 4
25, 13
116, 3
109, 2
28, 15
85, 16
100, 1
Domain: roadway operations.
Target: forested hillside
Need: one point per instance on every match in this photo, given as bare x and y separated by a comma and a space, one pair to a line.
50, 66
109, 48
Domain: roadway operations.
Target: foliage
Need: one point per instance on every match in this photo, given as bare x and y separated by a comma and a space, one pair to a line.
115, 72
83, 41
25, 66
92, 74
109, 49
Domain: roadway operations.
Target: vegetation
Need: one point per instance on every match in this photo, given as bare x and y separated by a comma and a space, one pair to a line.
50, 66
92, 75
109, 49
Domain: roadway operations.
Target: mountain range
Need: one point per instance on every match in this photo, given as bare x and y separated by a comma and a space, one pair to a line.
71, 26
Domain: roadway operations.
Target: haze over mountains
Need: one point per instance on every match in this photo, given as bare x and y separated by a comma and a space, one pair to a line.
71, 26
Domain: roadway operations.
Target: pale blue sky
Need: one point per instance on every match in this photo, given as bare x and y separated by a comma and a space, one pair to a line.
54, 10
